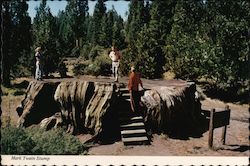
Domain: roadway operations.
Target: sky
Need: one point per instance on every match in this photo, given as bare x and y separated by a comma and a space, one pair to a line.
120, 6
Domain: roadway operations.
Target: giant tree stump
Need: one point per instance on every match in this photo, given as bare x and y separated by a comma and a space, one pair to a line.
89, 106
172, 109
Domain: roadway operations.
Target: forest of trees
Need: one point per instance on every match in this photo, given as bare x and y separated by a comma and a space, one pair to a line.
194, 39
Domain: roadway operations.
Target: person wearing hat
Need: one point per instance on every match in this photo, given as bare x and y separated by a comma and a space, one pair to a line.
115, 56
38, 56
133, 87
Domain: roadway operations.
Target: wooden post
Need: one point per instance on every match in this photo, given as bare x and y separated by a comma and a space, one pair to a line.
224, 130
211, 129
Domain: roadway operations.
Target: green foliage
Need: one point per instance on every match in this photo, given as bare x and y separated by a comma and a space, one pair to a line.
16, 141
85, 50
209, 40
95, 29
12, 91
62, 69
103, 62
75, 52
95, 51
79, 68
54, 142
193, 39
127, 59
148, 52
38, 141
46, 31
16, 37
101, 65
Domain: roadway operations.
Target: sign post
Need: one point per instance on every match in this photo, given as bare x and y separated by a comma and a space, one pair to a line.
216, 120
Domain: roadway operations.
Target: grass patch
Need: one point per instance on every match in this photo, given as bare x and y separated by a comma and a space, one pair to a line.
12, 91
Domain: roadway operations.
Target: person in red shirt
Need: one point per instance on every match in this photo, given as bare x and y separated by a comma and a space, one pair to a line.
133, 87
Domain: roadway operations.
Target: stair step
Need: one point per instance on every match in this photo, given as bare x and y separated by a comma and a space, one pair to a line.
133, 126
135, 140
126, 95
138, 131
124, 90
130, 119
128, 99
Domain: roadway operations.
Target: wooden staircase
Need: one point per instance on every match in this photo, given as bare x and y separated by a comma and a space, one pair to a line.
132, 126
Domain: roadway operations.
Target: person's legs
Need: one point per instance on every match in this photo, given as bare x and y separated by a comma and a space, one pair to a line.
116, 72
38, 72
136, 98
113, 69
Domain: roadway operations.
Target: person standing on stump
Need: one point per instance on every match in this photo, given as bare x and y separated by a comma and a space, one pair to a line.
133, 87
115, 56
39, 70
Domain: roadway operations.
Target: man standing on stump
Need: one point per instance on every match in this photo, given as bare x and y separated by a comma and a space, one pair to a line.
133, 87
115, 56
39, 64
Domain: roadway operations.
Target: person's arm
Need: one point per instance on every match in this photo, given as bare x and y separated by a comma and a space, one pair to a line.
119, 56
140, 82
110, 54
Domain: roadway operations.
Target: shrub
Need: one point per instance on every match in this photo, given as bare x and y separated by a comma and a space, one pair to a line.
16, 141
104, 63
55, 141
95, 51
126, 62
101, 65
85, 51
79, 68
92, 69
75, 52
62, 69
38, 141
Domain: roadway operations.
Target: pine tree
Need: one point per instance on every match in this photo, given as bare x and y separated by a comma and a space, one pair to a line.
152, 38
74, 27
135, 20
99, 13
6, 43
16, 38
46, 32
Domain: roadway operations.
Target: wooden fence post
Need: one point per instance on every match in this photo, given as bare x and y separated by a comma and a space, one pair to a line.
224, 130
211, 128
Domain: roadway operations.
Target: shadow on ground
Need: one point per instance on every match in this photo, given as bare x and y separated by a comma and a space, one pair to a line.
233, 94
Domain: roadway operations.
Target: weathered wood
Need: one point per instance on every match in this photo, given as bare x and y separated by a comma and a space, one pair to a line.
211, 129
224, 129
221, 118
172, 108
37, 104
90, 105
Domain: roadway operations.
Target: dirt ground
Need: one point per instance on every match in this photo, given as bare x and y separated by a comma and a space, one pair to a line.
237, 143
237, 138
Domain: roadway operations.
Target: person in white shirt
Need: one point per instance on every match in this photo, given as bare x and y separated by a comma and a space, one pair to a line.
115, 56
39, 70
